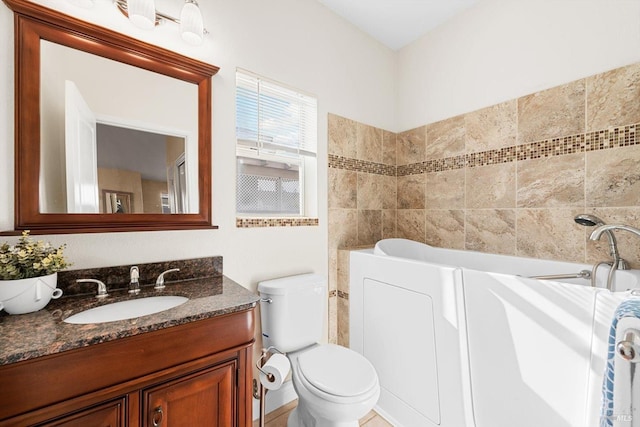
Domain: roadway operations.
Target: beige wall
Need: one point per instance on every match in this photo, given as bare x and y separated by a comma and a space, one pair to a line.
152, 195
505, 179
509, 178
121, 181
362, 203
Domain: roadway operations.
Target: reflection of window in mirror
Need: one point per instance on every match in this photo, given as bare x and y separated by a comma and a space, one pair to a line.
164, 201
143, 121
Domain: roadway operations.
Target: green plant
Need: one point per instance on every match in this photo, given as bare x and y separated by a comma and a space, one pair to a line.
30, 258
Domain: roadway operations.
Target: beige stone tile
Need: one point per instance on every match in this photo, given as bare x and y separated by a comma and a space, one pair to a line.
445, 190
552, 113
343, 270
445, 138
492, 186
411, 224
333, 319
342, 136
389, 219
551, 182
612, 98
280, 415
411, 192
367, 417
369, 226
370, 194
343, 321
445, 228
368, 143
411, 146
491, 230
343, 188
279, 421
377, 421
491, 128
613, 177
550, 234
628, 244
388, 148
343, 228
389, 191
333, 268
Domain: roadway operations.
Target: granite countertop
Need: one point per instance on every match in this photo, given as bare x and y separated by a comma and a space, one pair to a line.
27, 336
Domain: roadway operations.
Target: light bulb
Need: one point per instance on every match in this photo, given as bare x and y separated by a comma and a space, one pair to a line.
142, 13
191, 25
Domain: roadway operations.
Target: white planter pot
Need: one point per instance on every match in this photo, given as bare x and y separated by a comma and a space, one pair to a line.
28, 295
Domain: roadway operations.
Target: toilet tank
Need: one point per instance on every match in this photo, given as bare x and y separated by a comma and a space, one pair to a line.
294, 317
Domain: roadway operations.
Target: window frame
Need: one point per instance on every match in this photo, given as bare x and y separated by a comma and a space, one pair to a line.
305, 158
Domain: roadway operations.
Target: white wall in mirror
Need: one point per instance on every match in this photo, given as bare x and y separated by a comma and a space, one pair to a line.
118, 94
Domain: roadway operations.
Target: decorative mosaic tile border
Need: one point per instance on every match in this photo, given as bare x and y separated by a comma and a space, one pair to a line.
339, 162
591, 141
275, 222
623, 136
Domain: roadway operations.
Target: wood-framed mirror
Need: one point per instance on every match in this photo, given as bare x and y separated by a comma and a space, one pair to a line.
63, 184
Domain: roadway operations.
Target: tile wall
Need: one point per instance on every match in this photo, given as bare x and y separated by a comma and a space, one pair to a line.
506, 179
362, 202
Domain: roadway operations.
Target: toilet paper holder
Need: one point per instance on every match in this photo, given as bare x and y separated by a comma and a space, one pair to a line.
261, 361
259, 391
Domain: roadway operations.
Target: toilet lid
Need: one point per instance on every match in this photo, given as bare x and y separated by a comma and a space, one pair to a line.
337, 370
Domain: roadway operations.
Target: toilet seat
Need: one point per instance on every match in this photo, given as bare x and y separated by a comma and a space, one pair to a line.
336, 374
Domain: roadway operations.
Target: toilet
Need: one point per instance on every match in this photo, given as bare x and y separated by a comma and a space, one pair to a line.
335, 385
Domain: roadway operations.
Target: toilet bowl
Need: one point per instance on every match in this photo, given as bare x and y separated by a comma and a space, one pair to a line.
335, 385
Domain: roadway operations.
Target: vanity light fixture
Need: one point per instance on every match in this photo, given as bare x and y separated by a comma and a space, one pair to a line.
143, 14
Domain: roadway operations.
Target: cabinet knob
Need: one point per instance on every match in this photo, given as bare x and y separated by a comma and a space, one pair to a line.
157, 416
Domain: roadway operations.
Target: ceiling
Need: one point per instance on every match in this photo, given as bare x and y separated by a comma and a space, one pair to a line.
396, 23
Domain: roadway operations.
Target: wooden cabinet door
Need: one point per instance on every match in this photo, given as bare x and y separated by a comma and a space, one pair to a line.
109, 414
205, 398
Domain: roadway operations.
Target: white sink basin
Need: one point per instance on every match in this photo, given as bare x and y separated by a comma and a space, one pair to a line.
126, 309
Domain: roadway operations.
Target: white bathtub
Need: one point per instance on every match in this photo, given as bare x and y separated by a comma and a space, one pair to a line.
465, 339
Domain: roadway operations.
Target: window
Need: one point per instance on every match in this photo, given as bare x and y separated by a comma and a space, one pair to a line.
276, 132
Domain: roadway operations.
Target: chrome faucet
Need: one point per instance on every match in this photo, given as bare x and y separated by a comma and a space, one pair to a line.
598, 231
591, 220
134, 285
596, 234
102, 288
160, 280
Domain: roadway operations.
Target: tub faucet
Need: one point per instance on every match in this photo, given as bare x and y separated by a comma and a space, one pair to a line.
597, 233
591, 220
603, 228
134, 285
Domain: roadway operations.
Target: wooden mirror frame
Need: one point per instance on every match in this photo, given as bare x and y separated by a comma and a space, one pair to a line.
34, 23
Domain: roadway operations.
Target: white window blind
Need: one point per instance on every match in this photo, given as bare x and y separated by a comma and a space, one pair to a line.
274, 118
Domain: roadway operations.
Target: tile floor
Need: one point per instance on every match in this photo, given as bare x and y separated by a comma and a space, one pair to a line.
278, 418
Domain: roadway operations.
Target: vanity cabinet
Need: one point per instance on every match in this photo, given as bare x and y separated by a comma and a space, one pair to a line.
110, 414
194, 374
204, 398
